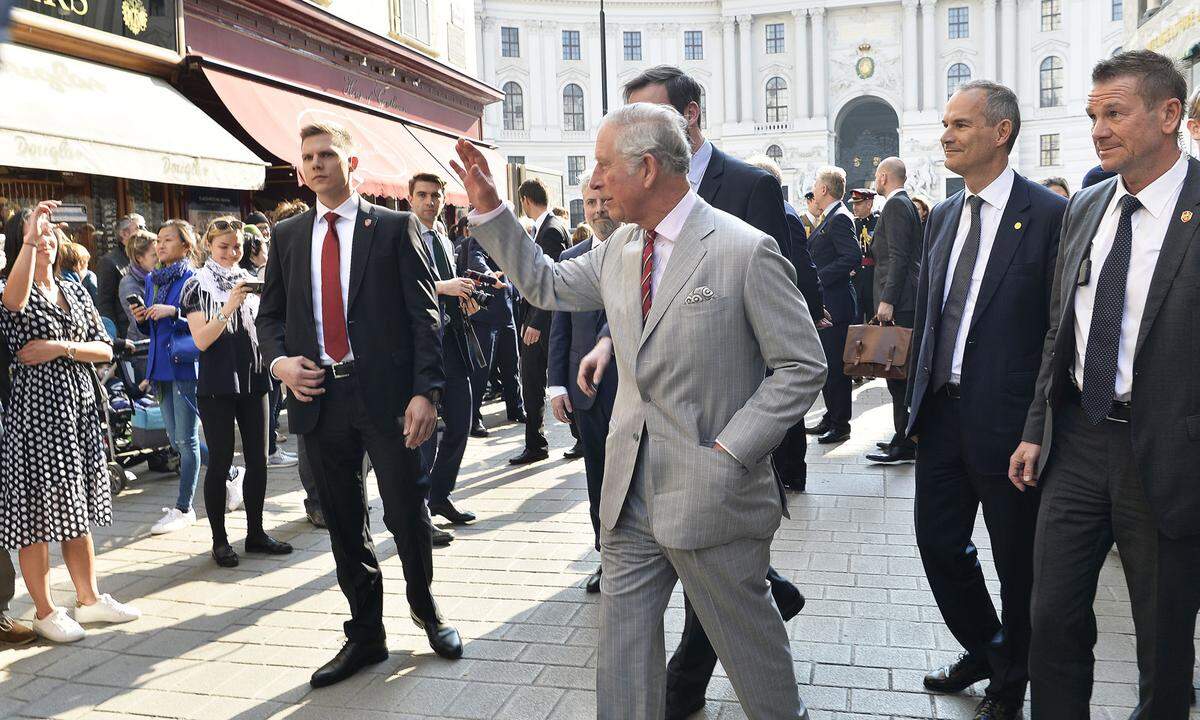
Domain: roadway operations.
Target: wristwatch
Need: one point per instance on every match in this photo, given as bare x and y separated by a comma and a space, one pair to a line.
222, 317
70, 351
434, 395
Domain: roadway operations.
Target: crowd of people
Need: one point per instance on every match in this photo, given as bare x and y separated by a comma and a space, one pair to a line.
1044, 384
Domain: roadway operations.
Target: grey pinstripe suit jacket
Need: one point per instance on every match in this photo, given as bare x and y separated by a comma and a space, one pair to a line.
695, 374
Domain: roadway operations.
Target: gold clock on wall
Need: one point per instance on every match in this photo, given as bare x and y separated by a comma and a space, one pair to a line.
134, 13
865, 67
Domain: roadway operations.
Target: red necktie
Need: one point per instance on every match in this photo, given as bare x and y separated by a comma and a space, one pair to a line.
647, 272
333, 313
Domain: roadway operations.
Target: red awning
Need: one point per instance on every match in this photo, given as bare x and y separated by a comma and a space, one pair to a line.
388, 151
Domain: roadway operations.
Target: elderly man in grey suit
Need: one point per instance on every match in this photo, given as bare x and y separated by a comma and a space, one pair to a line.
699, 304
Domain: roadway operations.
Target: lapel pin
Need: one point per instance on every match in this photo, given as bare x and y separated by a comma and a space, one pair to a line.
1017, 226
1186, 216
367, 222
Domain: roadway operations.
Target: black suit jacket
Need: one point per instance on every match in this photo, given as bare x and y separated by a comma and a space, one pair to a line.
391, 316
896, 246
748, 193
1166, 388
553, 237
1008, 325
573, 335
109, 272
836, 252
806, 271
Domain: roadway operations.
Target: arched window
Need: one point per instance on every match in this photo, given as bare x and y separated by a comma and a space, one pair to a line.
776, 153
514, 107
958, 74
703, 110
1050, 81
573, 107
777, 100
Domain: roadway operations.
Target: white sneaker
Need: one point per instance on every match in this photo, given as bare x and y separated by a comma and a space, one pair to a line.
59, 627
174, 520
106, 610
233, 489
281, 459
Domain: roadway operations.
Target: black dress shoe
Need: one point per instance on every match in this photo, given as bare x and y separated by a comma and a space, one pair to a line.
443, 638
575, 452
478, 430
679, 708
316, 516
451, 513
268, 545
819, 429
894, 455
593, 582
958, 676
350, 659
997, 709
883, 445
517, 417
225, 556
529, 456
834, 436
791, 606
441, 538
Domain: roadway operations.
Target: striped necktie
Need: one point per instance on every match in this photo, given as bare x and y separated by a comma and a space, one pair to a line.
647, 272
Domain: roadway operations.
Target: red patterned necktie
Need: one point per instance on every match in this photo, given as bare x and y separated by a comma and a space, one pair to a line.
647, 272
333, 313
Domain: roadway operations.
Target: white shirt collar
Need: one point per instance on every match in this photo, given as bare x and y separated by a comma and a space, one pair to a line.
347, 210
996, 194
1156, 196
425, 228
699, 163
671, 225
537, 224
892, 194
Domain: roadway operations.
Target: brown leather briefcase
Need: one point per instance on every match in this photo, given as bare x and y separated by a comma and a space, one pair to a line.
877, 351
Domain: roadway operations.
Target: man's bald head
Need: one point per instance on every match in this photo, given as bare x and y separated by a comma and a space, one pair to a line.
890, 175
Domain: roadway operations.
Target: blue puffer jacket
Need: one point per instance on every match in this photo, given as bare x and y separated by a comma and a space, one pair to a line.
159, 367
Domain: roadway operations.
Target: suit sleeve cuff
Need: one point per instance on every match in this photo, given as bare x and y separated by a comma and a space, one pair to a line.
271, 367
475, 218
556, 390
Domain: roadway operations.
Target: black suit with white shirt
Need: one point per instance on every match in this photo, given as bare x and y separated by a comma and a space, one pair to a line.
552, 236
395, 353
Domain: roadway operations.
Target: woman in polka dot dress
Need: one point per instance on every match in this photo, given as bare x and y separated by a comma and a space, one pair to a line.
54, 478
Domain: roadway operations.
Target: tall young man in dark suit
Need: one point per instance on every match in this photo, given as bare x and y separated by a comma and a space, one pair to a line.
755, 196
837, 254
349, 322
897, 249
982, 312
1118, 403
552, 236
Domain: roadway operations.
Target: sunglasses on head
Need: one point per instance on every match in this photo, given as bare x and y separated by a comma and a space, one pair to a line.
223, 225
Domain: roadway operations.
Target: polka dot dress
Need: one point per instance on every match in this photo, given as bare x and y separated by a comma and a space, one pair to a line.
54, 472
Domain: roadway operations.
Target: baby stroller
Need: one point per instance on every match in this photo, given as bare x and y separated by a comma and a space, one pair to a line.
134, 430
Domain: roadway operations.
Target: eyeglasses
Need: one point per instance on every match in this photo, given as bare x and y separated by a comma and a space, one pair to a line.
223, 225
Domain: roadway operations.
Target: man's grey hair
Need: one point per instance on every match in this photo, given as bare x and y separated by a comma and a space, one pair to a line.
1000, 104
1158, 76
130, 224
834, 178
655, 130
584, 180
765, 162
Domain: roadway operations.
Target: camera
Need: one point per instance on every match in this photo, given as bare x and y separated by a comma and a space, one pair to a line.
484, 290
254, 285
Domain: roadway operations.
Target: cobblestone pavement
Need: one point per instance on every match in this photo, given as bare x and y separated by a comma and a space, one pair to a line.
241, 643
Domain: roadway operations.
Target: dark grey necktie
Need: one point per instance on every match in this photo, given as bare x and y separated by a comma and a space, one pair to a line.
956, 301
1108, 308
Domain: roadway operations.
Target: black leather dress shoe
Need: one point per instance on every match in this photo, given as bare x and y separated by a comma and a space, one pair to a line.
517, 417
443, 638
791, 606
575, 452
996, 709
478, 430
316, 516
679, 708
451, 513
267, 545
225, 556
593, 582
894, 455
958, 676
819, 429
442, 538
834, 436
350, 659
529, 456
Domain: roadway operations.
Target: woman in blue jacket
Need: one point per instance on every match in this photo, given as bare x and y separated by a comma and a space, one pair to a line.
171, 364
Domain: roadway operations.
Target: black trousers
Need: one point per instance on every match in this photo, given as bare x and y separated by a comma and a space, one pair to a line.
593, 432
506, 367
312, 500
864, 289
837, 385
479, 377
534, 359
1093, 495
948, 496
441, 457
896, 388
335, 448
691, 667
788, 458
218, 414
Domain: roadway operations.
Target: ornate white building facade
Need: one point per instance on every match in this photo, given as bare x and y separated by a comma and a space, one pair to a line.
809, 82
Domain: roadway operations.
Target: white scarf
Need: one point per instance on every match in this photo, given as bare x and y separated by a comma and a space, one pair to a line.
217, 282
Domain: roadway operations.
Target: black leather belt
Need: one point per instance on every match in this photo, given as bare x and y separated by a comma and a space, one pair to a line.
342, 370
1120, 412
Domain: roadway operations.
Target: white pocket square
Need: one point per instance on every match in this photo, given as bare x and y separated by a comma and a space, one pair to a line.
699, 295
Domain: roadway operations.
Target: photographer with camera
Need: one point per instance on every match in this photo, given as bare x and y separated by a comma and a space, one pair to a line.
220, 302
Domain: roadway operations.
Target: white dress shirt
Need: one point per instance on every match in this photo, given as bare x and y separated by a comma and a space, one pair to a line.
892, 194
699, 165
537, 224
1149, 229
995, 198
347, 215
668, 230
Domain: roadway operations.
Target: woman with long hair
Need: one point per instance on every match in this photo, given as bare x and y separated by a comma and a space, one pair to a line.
54, 478
171, 363
232, 385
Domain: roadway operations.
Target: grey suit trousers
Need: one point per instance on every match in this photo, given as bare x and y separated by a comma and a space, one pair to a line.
727, 586
8, 580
